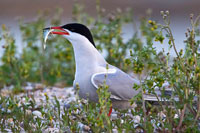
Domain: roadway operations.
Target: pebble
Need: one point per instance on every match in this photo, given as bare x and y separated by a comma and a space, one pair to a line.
114, 131
8, 130
28, 88
176, 116
137, 119
67, 106
37, 113
113, 116
51, 130
28, 112
8, 111
10, 120
83, 127
39, 86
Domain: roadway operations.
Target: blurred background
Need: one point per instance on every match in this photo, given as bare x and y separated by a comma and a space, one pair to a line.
180, 10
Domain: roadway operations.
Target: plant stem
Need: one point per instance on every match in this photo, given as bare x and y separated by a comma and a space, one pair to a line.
198, 105
198, 112
181, 118
193, 36
143, 106
192, 110
172, 39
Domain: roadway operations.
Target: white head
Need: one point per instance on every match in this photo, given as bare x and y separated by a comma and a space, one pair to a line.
84, 48
73, 32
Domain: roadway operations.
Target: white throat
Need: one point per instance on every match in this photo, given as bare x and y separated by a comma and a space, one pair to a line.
86, 56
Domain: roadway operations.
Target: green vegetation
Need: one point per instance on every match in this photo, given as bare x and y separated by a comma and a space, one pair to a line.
138, 55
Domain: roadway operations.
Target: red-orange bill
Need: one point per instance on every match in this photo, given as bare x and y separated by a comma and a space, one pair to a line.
50, 30
60, 31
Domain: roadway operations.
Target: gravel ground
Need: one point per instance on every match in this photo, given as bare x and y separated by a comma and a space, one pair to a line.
64, 96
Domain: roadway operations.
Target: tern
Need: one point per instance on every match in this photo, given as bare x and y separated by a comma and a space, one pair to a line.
91, 68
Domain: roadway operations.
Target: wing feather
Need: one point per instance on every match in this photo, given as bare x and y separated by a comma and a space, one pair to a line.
120, 84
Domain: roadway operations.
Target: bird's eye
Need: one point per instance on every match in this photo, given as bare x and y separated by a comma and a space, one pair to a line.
72, 29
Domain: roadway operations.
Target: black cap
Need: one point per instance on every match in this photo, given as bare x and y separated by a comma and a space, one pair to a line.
81, 29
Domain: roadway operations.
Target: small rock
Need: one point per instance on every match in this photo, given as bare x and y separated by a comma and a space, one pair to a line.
79, 106
22, 131
5, 92
8, 111
28, 88
113, 116
83, 127
114, 130
86, 128
11, 87
60, 84
28, 112
137, 119
176, 116
37, 113
51, 130
8, 130
10, 120
67, 106
39, 86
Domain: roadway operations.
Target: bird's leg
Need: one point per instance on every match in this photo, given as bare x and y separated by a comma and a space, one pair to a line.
110, 111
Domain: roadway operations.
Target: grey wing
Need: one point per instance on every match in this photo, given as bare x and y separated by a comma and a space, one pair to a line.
120, 84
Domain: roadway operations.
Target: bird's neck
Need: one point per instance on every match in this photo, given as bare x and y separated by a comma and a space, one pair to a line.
86, 56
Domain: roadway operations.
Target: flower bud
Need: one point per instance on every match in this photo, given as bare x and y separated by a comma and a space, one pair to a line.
188, 29
191, 16
162, 13
167, 12
181, 52
186, 34
111, 17
150, 21
197, 70
119, 10
164, 16
103, 10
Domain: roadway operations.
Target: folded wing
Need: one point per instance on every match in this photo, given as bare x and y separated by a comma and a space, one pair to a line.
120, 84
